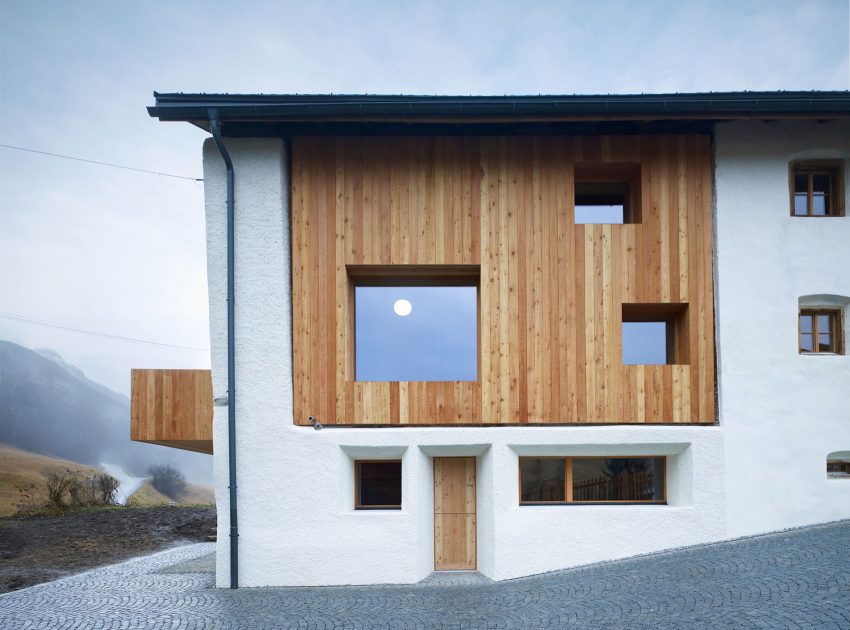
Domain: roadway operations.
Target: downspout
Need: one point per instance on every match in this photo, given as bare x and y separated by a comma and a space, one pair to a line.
231, 351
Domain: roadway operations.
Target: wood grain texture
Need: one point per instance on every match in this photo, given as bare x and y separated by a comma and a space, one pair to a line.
455, 538
550, 291
173, 408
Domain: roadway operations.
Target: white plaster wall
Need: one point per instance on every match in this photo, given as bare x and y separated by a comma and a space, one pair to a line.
297, 524
781, 412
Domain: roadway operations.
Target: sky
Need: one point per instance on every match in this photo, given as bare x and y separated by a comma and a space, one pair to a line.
122, 253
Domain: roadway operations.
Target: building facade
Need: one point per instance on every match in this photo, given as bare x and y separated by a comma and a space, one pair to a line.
630, 311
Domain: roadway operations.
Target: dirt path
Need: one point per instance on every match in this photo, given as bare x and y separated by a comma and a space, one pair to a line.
41, 548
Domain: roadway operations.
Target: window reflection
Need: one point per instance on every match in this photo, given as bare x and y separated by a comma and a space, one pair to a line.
542, 480
618, 479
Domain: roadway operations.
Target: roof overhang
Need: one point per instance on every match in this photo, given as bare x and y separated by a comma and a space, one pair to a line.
258, 115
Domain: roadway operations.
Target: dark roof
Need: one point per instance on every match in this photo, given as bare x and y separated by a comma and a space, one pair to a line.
251, 114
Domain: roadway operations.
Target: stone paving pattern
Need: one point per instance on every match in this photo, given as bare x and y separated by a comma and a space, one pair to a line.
793, 579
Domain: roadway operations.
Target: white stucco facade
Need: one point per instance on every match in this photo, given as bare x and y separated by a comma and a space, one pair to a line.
761, 469
781, 412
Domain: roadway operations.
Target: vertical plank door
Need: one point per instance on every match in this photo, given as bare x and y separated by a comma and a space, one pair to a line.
454, 514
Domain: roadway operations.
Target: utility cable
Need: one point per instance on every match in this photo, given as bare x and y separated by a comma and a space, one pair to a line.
78, 159
100, 334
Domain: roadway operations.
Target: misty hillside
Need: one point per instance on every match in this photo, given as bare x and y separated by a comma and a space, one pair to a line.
49, 406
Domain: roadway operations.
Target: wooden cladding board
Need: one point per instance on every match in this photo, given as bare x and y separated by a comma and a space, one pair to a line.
454, 514
551, 292
173, 408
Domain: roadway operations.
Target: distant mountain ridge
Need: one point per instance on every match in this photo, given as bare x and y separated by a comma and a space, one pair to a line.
49, 406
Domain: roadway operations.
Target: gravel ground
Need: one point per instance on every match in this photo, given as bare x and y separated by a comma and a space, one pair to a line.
36, 549
795, 579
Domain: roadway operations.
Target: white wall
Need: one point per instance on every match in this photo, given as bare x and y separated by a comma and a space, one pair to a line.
297, 524
781, 412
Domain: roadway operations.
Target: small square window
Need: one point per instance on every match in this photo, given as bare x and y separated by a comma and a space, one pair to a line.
415, 327
817, 188
654, 334
606, 193
820, 332
377, 485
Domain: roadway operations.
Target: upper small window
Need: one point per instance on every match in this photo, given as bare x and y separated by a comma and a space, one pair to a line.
820, 332
410, 327
607, 193
817, 188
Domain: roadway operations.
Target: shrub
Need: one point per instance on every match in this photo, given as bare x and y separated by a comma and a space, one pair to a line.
67, 490
168, 480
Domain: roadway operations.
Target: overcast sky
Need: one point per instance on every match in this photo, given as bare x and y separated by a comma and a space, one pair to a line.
122, 252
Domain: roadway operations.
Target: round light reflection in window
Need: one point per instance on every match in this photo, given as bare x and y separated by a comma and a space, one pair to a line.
402, 308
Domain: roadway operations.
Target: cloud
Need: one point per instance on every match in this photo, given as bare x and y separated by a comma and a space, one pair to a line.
124, 252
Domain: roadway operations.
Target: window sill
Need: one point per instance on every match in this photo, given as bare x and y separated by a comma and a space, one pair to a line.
592, 503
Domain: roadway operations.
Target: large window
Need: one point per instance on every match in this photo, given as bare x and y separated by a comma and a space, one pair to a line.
377, 485
817, 188
561, 480
416, 327
820, 332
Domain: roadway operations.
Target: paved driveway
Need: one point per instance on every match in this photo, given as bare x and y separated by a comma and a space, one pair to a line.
796, 579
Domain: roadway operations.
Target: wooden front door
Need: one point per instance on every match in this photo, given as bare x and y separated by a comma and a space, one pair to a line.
454, 514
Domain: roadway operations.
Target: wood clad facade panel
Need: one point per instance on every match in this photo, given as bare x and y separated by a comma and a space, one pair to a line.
550, 292
172, 407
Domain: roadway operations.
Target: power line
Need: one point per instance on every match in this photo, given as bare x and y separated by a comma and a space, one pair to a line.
100, 334
128, 168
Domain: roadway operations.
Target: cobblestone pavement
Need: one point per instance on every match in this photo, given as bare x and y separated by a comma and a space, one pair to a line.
794, 579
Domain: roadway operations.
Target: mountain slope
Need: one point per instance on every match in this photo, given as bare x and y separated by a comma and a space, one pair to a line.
48, 406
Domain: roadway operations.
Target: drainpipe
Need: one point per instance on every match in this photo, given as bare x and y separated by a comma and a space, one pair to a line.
231, 352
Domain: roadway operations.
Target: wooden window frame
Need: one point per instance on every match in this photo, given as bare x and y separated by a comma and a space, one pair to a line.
357, 464
410, 276
611, 173
675, 316
836, 323
568, 480
834, 169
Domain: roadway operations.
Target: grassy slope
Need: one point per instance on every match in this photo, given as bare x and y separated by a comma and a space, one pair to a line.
196, 494
22, 467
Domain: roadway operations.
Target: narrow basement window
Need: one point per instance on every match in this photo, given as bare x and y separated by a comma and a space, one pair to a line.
654, 334
416, 328
377, 485
607, 193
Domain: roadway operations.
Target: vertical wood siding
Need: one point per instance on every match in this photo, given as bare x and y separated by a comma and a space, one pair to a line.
551, 292
172, 407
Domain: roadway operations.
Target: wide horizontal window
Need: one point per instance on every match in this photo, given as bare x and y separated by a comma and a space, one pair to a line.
377, 485
556, 480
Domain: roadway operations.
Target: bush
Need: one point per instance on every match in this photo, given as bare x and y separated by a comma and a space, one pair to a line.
65, 490
168, 480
